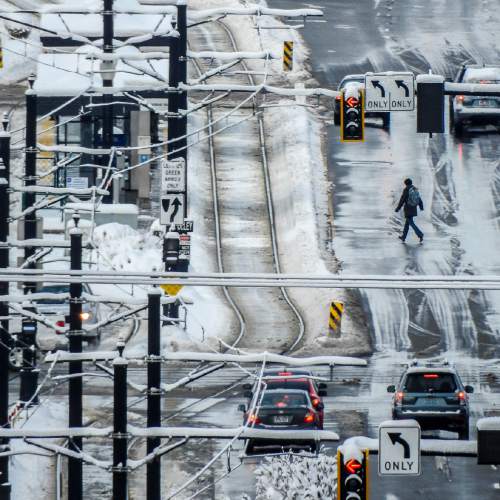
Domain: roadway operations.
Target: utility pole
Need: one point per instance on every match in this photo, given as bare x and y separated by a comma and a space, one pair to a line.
120, 436
177, 73
153, 480
107, 77
5, 340
75, 478
29, 371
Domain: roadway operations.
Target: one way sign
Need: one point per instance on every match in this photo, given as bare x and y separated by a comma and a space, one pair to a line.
399, 448
389, 91
172, 208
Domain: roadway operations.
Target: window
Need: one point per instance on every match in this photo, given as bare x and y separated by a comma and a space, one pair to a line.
430, 382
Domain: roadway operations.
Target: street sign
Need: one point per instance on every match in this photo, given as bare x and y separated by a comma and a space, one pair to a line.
185, 227
399, 448
390, 91
173, 176
172, 208
184, 247
77, 182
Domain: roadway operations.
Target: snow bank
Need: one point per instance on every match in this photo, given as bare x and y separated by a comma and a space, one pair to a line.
290, 477
488, 424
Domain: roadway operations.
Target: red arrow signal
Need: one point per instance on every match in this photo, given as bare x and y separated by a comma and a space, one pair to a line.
352, 466
351, 102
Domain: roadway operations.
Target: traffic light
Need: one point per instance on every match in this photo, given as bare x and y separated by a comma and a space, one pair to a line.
352, 477
171, 249
352, 115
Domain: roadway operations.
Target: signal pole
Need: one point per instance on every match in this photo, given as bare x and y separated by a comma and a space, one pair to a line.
29, 371
5, 340
75, 478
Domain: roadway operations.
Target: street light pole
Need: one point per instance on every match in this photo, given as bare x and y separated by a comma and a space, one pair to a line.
29, 371
107, 79
75, 478
153, 475
5, 340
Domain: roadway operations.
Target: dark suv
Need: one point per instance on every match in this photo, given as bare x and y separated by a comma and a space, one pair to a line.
435, 397
475, 110
359, 81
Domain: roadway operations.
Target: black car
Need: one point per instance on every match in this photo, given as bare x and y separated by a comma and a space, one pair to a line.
435, 397
284, 410
359, 80
475, 110
286, 378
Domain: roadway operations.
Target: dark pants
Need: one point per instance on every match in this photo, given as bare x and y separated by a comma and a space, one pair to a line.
409, 222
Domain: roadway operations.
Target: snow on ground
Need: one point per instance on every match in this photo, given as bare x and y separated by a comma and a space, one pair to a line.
40, 470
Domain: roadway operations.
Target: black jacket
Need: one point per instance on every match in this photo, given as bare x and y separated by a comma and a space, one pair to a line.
410, 211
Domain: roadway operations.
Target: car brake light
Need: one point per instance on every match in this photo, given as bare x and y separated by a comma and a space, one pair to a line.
309, 418
285, 374
337, 98
460, 98
253, 419
398, 397
431, 375
315, 402
84, 316
462, 397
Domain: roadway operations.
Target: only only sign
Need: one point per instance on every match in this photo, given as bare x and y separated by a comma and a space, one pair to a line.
399, 448
389, 91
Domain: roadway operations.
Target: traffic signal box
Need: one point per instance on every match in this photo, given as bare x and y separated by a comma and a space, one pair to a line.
352, 478
352, 117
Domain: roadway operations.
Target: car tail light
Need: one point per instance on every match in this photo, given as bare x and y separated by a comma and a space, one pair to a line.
431, 375
253, 419
285, 374
309, 418
337, 98
398, 398
462, 397
60, 324
460, 98
315, 402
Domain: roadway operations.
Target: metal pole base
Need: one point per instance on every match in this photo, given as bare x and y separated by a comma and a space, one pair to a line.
29, 384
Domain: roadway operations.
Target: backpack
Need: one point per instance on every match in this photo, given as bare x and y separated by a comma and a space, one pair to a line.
413, 197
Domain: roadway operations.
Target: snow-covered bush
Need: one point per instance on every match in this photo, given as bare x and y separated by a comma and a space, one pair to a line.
297, 477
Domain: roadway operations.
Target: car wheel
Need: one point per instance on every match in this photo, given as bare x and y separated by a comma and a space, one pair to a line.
336, 119
451, 115
458, 129
463, 434
16, 358
386, 121
250, 448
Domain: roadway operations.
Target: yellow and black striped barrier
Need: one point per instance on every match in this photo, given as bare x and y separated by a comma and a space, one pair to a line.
287, 56
1, 58
335, 319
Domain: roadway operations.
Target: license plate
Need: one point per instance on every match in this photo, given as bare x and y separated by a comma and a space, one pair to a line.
282, 419
485, 103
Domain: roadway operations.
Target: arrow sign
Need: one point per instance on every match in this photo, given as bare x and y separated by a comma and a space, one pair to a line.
172, 208
376, 85
401, 84
396, 438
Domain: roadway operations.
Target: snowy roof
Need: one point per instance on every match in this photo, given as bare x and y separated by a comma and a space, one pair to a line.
430, 79
70, 74
91, 24
488, 74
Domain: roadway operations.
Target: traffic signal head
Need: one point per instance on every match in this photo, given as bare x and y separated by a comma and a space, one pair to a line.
352, 115
352, 477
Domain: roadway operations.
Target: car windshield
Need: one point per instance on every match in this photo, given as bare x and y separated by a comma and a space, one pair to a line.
431, 382
53, 289
283, 399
